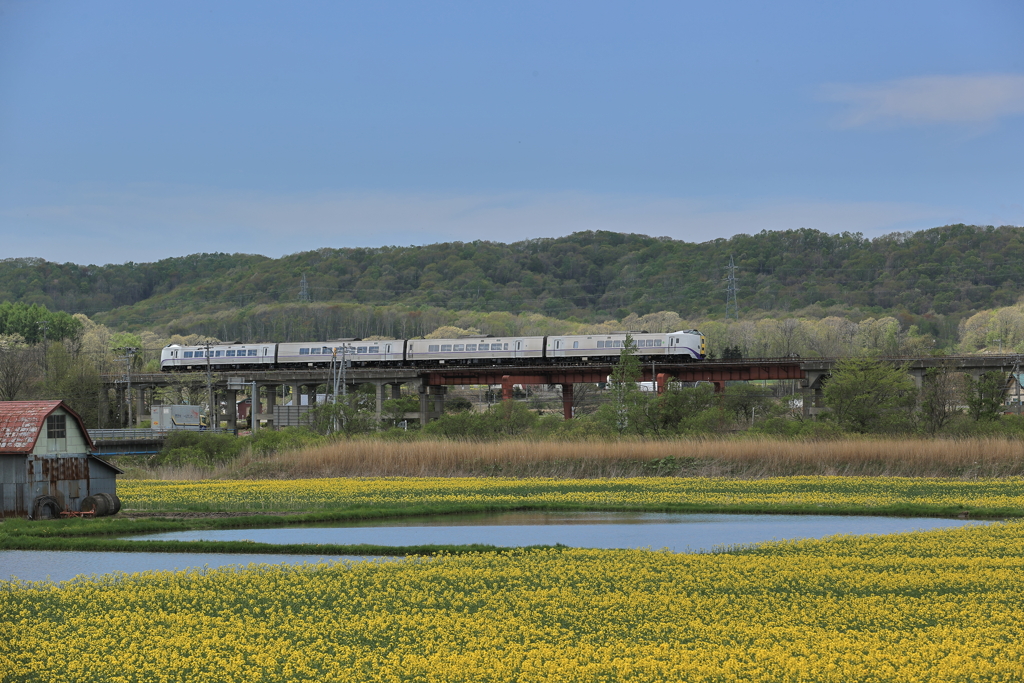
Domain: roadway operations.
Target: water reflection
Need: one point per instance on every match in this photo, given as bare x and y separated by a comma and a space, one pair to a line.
677, 532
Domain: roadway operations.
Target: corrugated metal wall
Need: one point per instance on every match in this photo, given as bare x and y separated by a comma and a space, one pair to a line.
68, 478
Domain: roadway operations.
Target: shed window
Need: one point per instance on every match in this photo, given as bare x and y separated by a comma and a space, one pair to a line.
56, 427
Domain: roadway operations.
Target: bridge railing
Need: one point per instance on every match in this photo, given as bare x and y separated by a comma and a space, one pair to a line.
143, 434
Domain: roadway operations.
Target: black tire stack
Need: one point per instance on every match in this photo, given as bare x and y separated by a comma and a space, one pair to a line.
102, 504
46, 507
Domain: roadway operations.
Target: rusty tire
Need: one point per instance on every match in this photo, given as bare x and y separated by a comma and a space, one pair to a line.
100, 506
112, 501
46, 507
93, 505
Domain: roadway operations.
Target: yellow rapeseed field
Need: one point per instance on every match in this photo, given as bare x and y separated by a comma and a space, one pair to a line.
864, 493
929, 606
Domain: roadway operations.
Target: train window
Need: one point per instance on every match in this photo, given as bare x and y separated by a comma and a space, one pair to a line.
459, 347
484, 347
471, 347
188, 354
505, 349
558, 344
433, 348
600, 344
374, 349
314, 352
303, 352
446, 348
657, 342
360, 349
252, 352
575, 345
220, 354
325, 350
231, 352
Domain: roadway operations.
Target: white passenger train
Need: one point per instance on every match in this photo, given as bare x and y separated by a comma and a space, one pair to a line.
580, 349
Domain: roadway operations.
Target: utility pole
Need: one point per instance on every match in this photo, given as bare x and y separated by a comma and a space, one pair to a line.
209, 389
1015, 373
129, 356
731, 306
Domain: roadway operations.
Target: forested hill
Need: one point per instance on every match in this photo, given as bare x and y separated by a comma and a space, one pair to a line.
588, 275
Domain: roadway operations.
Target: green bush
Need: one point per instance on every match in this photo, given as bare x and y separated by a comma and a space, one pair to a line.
267, 442
199, 448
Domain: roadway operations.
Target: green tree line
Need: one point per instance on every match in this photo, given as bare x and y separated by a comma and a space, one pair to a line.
929, 278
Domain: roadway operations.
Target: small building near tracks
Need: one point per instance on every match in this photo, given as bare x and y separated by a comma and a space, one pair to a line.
47, 465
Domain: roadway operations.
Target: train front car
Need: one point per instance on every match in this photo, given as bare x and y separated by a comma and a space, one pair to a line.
360, 353
687, 345
219, 357
582, 349
475, 351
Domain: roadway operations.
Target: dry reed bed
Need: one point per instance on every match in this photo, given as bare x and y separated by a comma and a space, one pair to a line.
754, 458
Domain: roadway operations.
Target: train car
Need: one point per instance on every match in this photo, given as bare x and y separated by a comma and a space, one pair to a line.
473, 350
671, 347
224, 356
385, 352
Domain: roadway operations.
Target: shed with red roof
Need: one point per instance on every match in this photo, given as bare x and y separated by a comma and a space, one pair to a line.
47, 465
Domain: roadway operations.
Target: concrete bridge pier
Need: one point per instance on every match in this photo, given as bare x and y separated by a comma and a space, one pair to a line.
268, 413
813, 392
140, 404
431, 402
231, 400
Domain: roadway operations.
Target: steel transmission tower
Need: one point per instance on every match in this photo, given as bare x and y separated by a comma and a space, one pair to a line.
732, 308
304, 290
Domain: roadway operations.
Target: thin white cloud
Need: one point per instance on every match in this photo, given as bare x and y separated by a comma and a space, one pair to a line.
157, 223
981, 99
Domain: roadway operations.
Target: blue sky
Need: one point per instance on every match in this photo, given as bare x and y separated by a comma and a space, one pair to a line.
137, 131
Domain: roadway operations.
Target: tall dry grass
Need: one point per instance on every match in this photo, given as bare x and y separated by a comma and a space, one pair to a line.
754, 458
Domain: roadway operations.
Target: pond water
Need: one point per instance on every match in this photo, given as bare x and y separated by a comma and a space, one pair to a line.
677, 532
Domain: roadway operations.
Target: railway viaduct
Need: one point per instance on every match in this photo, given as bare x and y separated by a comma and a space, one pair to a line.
430, 383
